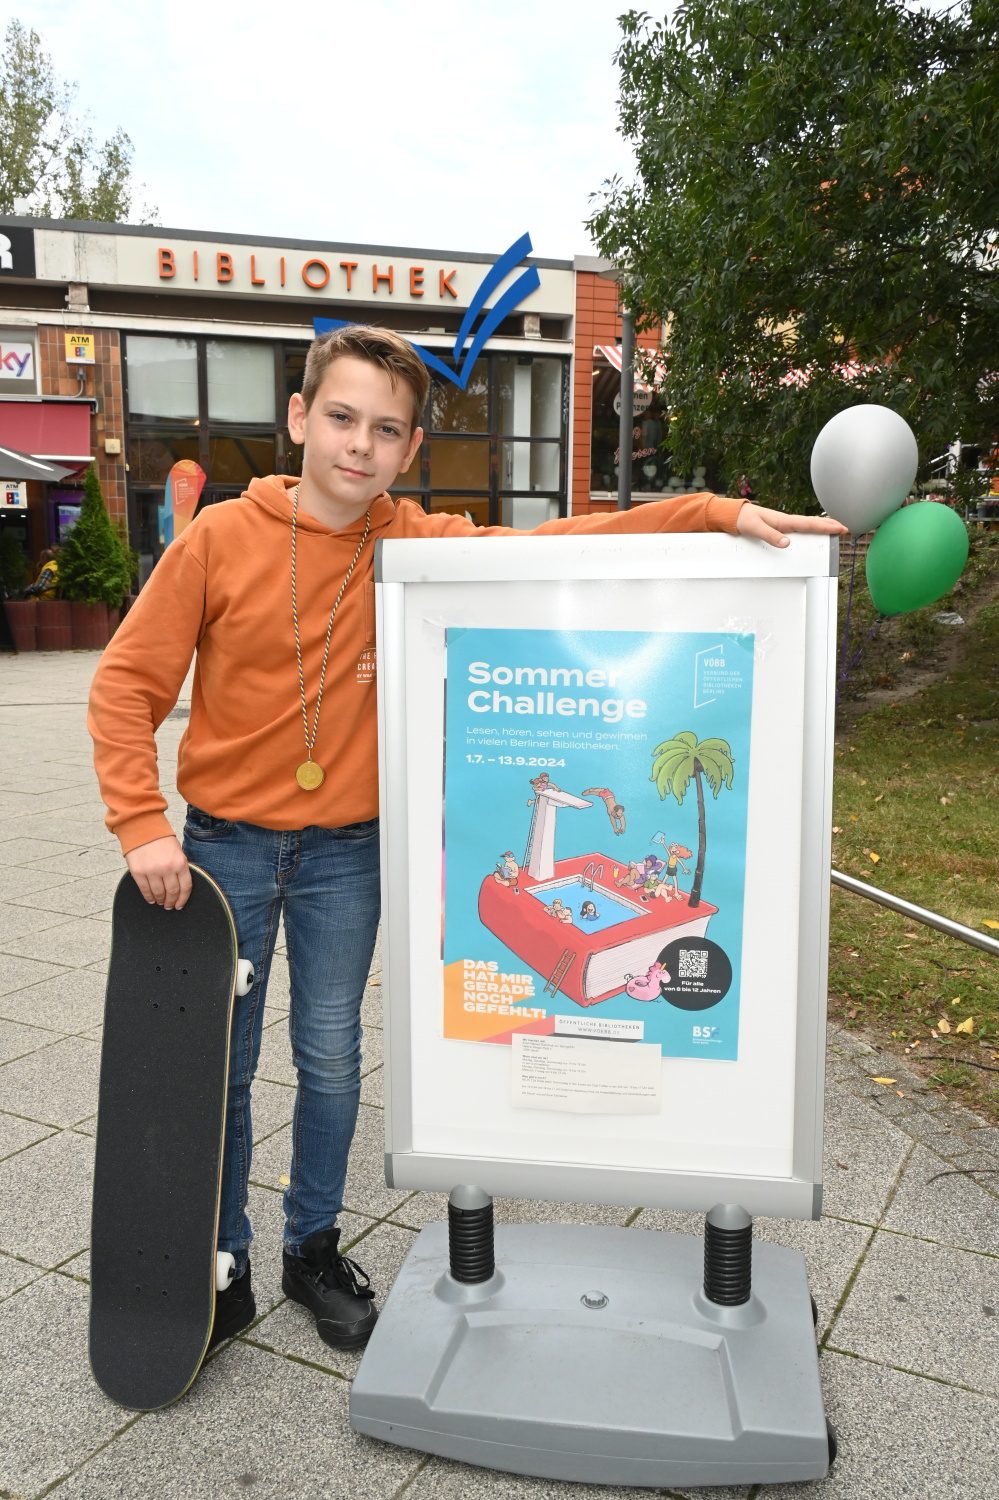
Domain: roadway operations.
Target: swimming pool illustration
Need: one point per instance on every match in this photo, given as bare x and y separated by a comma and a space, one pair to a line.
587, 958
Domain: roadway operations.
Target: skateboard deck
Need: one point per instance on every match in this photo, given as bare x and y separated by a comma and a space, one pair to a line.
160, 1125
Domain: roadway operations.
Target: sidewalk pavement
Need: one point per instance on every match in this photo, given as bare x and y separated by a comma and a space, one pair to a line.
904, 1264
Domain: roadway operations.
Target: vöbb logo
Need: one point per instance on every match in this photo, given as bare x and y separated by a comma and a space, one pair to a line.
464, 359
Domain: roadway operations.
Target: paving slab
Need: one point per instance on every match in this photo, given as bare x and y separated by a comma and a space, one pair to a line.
440, 1479
954, 1210
15, 1274
25, 851
76, 943
926, 1308
17, 1040
373, 1088
46, 1191
54, 1414
71, 1001
16, 1134
271, 1108
16, 973
97, 859
78, 898
372, 1010
872, 1151
832, 1249
275, 1056
57, 1086
17, 881
900, 1436
253, 1423
17, 922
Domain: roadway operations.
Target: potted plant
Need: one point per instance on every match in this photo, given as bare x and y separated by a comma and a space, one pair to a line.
95, 568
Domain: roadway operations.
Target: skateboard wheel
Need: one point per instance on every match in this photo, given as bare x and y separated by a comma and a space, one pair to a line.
225, 1266
244, 976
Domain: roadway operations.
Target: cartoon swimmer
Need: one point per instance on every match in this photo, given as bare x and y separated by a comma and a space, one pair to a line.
588, 912
542, 783
670, 879
507, 872
614, 809
560, 910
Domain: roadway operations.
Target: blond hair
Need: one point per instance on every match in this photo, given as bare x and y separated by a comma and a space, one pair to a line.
379, 346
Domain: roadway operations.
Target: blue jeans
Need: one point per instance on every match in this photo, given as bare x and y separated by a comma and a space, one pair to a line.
324, 882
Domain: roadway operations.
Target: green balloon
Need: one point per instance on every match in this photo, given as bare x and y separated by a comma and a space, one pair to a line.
916, 556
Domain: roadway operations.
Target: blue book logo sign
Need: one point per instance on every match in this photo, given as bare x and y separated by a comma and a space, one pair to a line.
526, 283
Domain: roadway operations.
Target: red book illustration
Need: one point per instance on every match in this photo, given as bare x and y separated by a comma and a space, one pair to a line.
586, 924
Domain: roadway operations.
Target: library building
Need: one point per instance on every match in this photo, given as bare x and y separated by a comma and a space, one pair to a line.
153, 352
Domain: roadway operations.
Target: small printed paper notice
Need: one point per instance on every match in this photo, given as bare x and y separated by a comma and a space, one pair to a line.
581, 1076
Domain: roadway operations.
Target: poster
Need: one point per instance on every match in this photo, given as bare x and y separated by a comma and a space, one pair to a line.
595, 796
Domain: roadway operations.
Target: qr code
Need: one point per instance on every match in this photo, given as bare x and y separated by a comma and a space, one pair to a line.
693, 963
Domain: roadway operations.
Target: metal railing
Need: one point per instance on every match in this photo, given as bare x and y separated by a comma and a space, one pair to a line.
917, 913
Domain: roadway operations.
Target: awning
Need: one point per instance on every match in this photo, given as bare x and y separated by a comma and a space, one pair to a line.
612, 354
58, 430
14, 465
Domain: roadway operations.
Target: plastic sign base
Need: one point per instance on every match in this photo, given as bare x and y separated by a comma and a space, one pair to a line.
592, 1355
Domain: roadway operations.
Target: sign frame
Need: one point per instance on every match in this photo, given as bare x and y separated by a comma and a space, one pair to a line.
407, 571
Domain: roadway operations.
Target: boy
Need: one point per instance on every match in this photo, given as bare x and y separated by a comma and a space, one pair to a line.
279, 762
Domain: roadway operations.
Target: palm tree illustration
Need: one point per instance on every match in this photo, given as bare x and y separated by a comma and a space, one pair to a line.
677, 762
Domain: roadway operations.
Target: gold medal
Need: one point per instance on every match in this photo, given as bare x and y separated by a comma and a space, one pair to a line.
309, 775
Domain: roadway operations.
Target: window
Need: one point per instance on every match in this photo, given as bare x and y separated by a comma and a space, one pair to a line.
162, 378
221, 402
504, 433
651, 468
240, 381
530, 392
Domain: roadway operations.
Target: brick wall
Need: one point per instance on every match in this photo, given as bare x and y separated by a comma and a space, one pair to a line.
597, 322
102, 380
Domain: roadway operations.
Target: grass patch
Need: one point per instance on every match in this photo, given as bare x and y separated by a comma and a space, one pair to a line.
907, 642
917, 785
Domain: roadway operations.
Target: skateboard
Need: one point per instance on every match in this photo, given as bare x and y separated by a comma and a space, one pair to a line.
154, 1273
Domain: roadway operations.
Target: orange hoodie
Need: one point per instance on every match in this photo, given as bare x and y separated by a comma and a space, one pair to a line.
223, 589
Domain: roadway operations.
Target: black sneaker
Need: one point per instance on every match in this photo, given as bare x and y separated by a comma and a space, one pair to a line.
334, 1289
235, 1309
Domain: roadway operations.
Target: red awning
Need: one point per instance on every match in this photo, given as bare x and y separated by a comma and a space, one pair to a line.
612, 354
57, 430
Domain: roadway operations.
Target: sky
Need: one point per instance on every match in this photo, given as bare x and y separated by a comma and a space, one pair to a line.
451, 126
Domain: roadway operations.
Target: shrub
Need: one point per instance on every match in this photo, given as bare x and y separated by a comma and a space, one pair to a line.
14, 570
95, 564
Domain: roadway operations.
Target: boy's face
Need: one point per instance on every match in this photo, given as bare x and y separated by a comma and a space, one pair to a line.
358, 433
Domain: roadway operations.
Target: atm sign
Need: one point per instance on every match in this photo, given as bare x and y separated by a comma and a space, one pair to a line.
79, 348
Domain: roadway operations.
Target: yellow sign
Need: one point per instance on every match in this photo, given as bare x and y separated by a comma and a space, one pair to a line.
79, 348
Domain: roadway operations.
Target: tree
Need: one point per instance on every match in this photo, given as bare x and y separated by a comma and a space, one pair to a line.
674, 763
94, 563
814, 216
50, 164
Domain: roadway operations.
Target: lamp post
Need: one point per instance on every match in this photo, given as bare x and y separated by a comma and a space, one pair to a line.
620, 274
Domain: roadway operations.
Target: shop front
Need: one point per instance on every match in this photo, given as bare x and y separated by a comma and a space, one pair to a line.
139, 349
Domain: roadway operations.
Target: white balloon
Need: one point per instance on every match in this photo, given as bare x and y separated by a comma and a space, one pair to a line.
863, 465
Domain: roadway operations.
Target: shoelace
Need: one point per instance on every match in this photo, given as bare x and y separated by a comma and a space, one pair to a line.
344, 1272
